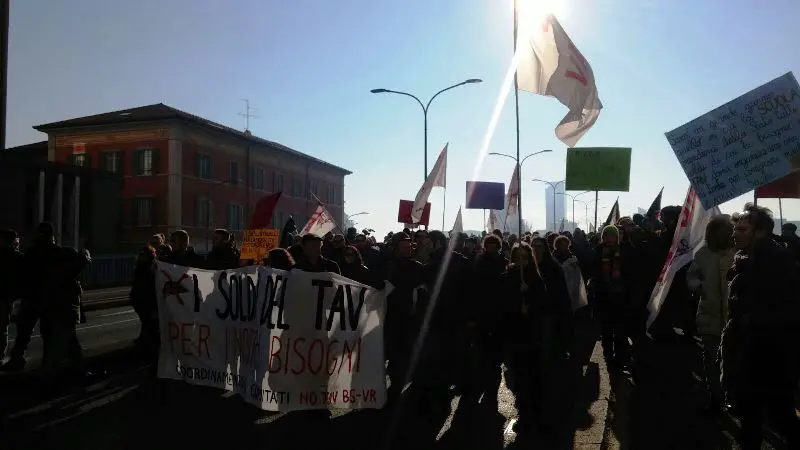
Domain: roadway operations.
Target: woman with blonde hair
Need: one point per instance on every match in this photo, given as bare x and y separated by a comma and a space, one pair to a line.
707, 278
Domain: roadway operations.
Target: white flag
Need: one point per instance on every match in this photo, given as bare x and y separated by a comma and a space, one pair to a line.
436, 178
549, 64
320, 223
512, 196
458, 225
494, 220
688, 236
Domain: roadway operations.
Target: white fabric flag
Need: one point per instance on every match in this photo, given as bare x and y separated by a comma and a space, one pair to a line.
494, 220
320, 223
512, 196
458, 225
550, 64
437, 177
689, 235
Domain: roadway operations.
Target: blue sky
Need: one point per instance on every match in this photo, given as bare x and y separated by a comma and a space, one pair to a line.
308, 66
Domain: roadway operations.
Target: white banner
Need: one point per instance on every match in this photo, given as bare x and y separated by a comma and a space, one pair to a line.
689, 234
282, 340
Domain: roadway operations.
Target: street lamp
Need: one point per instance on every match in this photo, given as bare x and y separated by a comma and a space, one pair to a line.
554, 185
348, 216
425, 107
585, 212
519, 181
573, 197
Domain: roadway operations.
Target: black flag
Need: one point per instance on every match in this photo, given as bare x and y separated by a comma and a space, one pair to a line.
655, 208
288, 232
613, 216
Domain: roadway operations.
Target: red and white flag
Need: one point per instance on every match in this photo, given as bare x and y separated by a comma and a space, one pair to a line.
689, 234
320, 223
437, 177
512, 196
548, 63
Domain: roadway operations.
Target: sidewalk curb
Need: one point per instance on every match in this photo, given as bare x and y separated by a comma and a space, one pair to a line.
109, 303
593, 437
92, 359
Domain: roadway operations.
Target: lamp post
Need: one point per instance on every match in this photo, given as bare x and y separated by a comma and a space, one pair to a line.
554, 185
519, 180
425, 107
585, 212
348, 217
573, 197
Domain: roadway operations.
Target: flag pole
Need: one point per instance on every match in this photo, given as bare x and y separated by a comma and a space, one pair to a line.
780, 210
516, 115
596, 199
444, 205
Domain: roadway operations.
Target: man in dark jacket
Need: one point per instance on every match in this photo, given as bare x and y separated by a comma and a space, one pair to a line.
10, 271
484, 315
51, 293
311, 260
182, 254
406, 275
760, 340
223, 255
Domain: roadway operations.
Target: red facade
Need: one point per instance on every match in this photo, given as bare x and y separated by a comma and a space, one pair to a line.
181, 174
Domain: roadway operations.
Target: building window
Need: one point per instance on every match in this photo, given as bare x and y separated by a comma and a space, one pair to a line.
257, 178
278, 177
235, 217
330, 193
297, 187
79, 159
112, 161
277, 220
204, 166
143, 211
144, 162
204, 213
233, 173
313, 189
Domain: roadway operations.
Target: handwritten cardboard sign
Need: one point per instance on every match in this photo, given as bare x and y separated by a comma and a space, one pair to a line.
744, 144
257, 243
599, 169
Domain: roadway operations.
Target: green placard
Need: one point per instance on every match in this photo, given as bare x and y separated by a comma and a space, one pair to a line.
599, 169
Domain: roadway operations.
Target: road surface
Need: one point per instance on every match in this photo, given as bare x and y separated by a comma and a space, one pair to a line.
104, 329
128, 409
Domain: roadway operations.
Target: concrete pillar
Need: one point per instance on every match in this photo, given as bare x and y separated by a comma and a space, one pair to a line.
59, 219
40, 197
174, 185
76, 211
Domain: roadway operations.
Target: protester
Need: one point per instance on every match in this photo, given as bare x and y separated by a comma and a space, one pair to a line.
707, 277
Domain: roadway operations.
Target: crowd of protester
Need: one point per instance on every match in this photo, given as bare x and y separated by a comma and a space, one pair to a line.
506, 304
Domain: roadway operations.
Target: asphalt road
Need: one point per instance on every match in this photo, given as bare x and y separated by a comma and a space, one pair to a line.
103, 330
129, 409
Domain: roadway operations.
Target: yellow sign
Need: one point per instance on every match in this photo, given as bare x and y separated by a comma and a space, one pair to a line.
257, 243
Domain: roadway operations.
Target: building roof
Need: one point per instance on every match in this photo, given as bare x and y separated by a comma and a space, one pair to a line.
161, 112
34, 151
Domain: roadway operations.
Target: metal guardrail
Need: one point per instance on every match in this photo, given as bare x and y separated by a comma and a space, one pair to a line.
109, 271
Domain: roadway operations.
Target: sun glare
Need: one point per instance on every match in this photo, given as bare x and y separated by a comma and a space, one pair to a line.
531, 13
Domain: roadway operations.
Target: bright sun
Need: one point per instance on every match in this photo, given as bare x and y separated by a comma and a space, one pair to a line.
532, 12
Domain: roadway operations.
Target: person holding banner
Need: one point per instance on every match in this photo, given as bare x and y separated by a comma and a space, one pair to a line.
761, 338
311, 259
